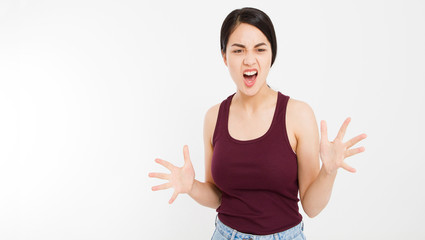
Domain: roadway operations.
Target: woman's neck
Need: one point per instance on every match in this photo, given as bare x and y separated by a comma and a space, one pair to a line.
261, 99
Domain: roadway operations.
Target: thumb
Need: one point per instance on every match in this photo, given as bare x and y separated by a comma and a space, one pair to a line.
324, 131
175, 194
186, 155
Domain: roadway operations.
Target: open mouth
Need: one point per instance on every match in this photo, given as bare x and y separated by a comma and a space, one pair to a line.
250, 77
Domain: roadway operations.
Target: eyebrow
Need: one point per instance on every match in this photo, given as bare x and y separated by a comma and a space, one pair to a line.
243, 46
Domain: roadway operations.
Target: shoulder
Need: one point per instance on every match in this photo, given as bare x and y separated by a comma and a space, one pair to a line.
299, 108
210, 121
301, 116
212, 113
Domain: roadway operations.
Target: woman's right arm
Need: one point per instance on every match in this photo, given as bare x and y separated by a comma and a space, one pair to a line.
182, 179
206, 193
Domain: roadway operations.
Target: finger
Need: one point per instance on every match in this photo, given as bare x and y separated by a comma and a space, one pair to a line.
160, 175
355, 140
186, 154
173, 197
348, 168
343, 128
354, 151
323, 131
161, 187
164, 163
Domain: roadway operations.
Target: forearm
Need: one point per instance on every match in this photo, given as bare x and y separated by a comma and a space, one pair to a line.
318, 194
206, 194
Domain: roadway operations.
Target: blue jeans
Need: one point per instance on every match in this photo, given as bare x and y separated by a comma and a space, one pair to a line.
224, 232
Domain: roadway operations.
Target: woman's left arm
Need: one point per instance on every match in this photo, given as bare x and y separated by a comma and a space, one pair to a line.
315, 183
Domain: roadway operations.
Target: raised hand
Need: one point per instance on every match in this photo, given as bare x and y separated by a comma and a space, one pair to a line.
180, 178
333, 153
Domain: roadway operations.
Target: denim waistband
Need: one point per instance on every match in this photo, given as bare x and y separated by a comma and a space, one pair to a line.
232, 234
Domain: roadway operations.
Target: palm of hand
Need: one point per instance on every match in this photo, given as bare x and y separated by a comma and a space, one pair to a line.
180, 178
333, 153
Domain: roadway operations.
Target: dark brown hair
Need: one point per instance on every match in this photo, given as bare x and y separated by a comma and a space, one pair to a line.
254, 17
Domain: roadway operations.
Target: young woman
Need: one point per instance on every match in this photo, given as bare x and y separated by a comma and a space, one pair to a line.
261, 147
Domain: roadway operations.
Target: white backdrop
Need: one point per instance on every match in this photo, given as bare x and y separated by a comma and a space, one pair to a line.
91, 92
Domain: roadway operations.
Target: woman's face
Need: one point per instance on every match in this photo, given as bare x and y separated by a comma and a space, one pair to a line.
248, 57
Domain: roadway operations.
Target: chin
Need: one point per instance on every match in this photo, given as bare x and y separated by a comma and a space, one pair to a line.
249, 91
253, 90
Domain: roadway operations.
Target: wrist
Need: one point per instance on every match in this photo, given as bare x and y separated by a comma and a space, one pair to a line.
192, 187
328, 172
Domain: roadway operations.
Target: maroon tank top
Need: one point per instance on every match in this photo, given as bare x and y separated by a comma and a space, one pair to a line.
258, 177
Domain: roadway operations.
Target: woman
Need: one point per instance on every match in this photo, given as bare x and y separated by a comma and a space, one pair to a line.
261, 146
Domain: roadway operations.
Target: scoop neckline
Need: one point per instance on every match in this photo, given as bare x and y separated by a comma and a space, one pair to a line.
254, 139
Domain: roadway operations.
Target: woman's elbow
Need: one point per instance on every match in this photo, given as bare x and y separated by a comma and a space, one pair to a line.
311, 214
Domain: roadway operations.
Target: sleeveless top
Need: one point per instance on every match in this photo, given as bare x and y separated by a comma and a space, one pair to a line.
258, 177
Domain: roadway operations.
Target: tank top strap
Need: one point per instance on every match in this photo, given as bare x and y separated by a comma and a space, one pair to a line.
281, 111
222, 117
281, 128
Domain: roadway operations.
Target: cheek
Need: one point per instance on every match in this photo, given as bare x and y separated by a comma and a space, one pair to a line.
266, 60
234, 60
234, 65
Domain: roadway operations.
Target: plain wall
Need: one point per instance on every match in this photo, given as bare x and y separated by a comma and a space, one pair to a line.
91, 92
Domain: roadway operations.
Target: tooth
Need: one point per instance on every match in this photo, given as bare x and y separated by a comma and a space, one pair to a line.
250, 73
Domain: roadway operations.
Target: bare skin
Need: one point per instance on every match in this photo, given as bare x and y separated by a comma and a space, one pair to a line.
250, 116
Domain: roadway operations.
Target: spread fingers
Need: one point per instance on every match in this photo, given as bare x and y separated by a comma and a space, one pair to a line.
161, 187
164, 163
164, 176
354, 151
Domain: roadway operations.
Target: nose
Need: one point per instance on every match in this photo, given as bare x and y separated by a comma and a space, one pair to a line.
249, 59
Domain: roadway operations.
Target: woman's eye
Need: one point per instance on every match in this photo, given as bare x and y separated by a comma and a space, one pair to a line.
237, 51
261, 50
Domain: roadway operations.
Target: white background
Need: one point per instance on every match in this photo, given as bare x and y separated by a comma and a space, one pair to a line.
91, 92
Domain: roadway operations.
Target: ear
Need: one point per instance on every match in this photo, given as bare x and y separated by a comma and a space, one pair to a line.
223, 54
